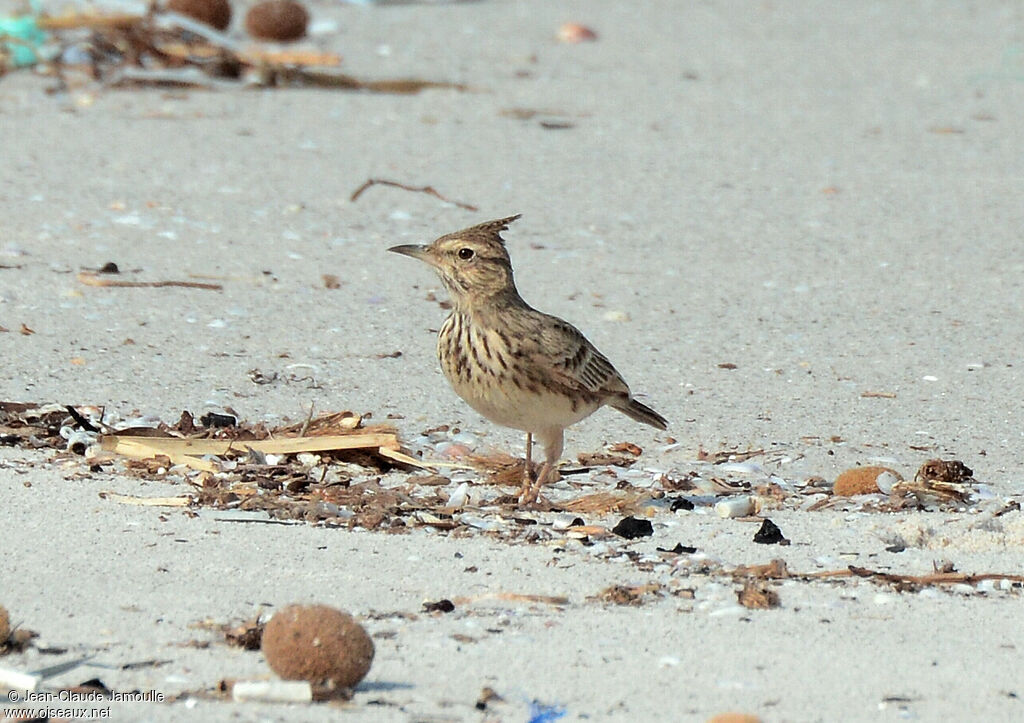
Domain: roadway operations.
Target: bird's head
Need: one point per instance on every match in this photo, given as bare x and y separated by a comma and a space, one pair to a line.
473, 263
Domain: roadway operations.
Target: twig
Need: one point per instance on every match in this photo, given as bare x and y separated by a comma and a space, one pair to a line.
309, 418
777, 570
91, 279
936, 578
429, 190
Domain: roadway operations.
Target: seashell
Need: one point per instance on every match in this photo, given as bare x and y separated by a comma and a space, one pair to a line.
576, 33
885, 481
78, 440
480, 523
460, 497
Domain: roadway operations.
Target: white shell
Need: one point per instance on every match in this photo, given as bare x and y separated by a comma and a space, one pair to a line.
460, 497
885, 481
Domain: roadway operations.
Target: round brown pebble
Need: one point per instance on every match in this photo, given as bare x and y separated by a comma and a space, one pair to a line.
317, 643
5, 625
215, 13
861, 481
280, 20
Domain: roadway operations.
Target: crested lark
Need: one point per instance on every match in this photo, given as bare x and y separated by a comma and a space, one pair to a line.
515, 365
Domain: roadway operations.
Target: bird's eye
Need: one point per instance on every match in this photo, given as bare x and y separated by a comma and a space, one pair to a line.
466, 254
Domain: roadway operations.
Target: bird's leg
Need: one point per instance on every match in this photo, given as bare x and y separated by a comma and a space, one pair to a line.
553, 442
527, 481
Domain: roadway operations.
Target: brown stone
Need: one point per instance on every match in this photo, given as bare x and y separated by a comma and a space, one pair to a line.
317, 643
215, 13
861, 481
280, 20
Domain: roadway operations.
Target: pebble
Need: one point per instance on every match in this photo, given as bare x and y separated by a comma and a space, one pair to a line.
452, 450
280, 20
576, 33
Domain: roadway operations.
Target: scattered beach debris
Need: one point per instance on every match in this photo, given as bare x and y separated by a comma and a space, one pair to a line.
631, 528
731, 507
181, 45
272, 691
778, 570
247, 636
215, 13
734, 717
951, 471
679, 549
13, 638
865, 481
92, 278
757, 596
324, 646
440, 606
576, 33
429, 190
519, 597
770, 534
628, 594
486, 697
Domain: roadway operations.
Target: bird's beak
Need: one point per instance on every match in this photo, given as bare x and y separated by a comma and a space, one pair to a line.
416, 251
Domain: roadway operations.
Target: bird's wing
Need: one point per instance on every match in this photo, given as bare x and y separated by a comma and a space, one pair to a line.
573, 360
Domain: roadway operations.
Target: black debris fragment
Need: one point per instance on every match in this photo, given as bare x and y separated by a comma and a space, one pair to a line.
679, 549
680, 503
441, 606
215, 419
770, 534
631, 528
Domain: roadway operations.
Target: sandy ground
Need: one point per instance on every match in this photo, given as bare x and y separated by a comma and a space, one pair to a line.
826, 196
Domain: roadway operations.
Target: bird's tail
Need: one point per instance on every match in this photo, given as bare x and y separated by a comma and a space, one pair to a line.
640, 412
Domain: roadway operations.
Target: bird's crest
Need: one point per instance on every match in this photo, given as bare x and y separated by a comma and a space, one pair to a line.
490, 229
